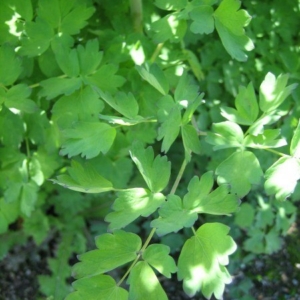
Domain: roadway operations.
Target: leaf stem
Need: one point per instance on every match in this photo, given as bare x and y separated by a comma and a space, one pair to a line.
156, 52
193, 229
145, 245
275, 152
178, 178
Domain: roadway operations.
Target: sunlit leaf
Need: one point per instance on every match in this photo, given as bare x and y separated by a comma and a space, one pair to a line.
202, 260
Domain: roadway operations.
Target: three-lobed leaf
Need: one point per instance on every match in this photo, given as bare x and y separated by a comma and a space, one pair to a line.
100, 287
157, 255
155, 171
173, 216
131, 204
202, 260
83, 179
225, 135
88, 139
142, 279
230, 22
273, 91
240, 171
154, 76
114, 250
247, 109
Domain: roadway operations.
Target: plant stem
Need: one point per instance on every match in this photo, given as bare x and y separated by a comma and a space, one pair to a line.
156, 52
173, 189
136, 8
275, 152
177, 180
193, 229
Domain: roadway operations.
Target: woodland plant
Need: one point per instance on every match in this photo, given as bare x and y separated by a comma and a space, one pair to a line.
159, 134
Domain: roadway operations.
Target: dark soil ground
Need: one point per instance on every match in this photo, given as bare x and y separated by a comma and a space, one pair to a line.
272, 277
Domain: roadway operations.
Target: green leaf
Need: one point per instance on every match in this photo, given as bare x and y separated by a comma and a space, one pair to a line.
76, 19
14, 136
273, 91
225, 135
39, 35
66, 58
240, 171
142, 280
244, 217
174, 5
11, 66
258, 126
186, 89
170, 27
114, 250
155, 76
83, 179
157, 255
56, 86
190, 110
29, 195
9, 213
100, 287
203, 21
89, 57
295, 143
155, 171
282, 177
246, 105
131, 204
125, 104
82, 105
190, 139
169, 129
50, 12
17, 97
173, 216
88, 139
229, 22
202, 260
265, 140
105, 79
201, 199
37, 226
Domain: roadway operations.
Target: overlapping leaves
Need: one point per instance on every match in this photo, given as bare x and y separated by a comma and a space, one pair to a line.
176, 213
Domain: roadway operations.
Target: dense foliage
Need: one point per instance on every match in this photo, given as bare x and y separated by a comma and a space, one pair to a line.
155, 127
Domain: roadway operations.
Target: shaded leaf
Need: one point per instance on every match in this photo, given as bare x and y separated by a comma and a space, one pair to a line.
88, 139
173, 216
11, 66
155, 171
203, 21
83, 179
100, 287
114, 250
169, 129
155, 76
